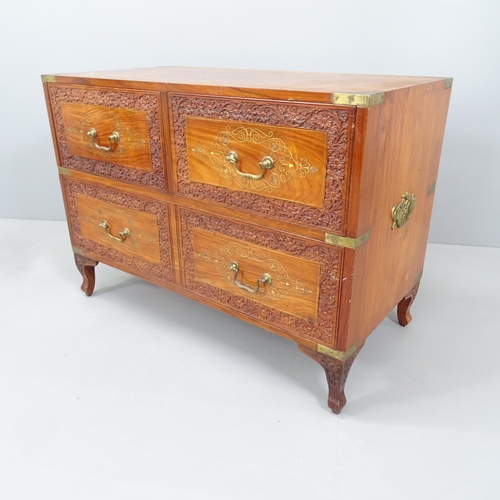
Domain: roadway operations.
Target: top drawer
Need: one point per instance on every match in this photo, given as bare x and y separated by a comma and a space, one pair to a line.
283, 159
111, 133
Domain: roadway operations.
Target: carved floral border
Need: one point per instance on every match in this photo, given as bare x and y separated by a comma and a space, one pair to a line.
337, 123
163, 270
140, 101
327, 257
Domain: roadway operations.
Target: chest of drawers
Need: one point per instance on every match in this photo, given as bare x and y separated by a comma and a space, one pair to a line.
297, 202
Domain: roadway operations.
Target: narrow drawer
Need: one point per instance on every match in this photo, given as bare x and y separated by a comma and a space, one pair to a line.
111, 133
120, 228
286, 160
285, 281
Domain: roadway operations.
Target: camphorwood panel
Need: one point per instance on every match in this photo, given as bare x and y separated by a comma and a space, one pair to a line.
133, 148
143, 240
398, 147
300, 158
295, 282
300, 86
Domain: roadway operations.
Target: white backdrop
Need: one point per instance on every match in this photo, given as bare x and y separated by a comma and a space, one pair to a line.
426, 37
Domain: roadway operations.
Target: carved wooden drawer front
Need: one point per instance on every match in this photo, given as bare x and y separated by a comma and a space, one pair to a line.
110, 133
282, 280
287, 160
119, 227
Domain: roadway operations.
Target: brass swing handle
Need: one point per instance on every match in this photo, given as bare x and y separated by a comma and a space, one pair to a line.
122, 236
266, 279
114, 137
267, 163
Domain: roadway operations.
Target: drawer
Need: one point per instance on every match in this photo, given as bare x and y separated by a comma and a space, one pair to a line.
283, 280
111, 133
283, 159
120, 228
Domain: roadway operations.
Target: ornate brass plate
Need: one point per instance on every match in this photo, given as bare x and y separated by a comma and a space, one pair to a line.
401, 213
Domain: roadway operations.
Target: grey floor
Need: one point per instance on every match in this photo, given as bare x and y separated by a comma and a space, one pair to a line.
138, 393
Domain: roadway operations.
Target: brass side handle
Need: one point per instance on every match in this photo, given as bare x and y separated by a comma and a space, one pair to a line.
267, 163
122, 235
401, 213
266, 279
114, 137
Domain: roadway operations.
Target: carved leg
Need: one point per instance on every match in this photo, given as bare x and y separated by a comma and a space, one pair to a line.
337, 369
404, 316
86, 267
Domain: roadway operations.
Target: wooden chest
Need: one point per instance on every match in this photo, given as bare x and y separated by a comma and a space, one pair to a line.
297, 202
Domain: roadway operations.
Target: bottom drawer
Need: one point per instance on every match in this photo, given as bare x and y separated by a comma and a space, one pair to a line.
283, 280
120, 228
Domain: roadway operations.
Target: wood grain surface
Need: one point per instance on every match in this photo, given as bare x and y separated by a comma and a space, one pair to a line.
300, 158
133, 148
299, 86
143, 240
398, 148
295, 282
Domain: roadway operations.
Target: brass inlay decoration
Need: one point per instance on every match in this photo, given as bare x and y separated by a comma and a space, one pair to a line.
278, 287
281, 159
431, 189
364, 100
266, 163
122, 235
401, 213
340, 355
114, 137
266, 279
48, 79
64, 171
344, 241
448, 82
78, 251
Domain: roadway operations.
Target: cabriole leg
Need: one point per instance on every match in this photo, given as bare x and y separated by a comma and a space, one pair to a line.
404, 316
337, 369
86, 267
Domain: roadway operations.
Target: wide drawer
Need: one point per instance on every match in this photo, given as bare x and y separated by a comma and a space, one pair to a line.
111, 133
284, 159
283, 280
120, 228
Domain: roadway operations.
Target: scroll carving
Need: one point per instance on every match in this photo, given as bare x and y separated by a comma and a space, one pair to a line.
141, 101
328, 258
335, 122
162, 271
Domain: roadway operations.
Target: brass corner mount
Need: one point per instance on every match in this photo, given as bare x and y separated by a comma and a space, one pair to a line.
361, 100
48, 79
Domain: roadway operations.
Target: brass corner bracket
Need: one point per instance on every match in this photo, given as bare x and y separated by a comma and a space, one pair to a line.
345, 241
448, 82
64, 171
362, 100
48, 79
78, 251
340, 355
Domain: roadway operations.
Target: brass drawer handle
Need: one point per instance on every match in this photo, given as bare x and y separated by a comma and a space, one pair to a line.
266, 279
122, 236
114, 137
401, 213
267, 163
